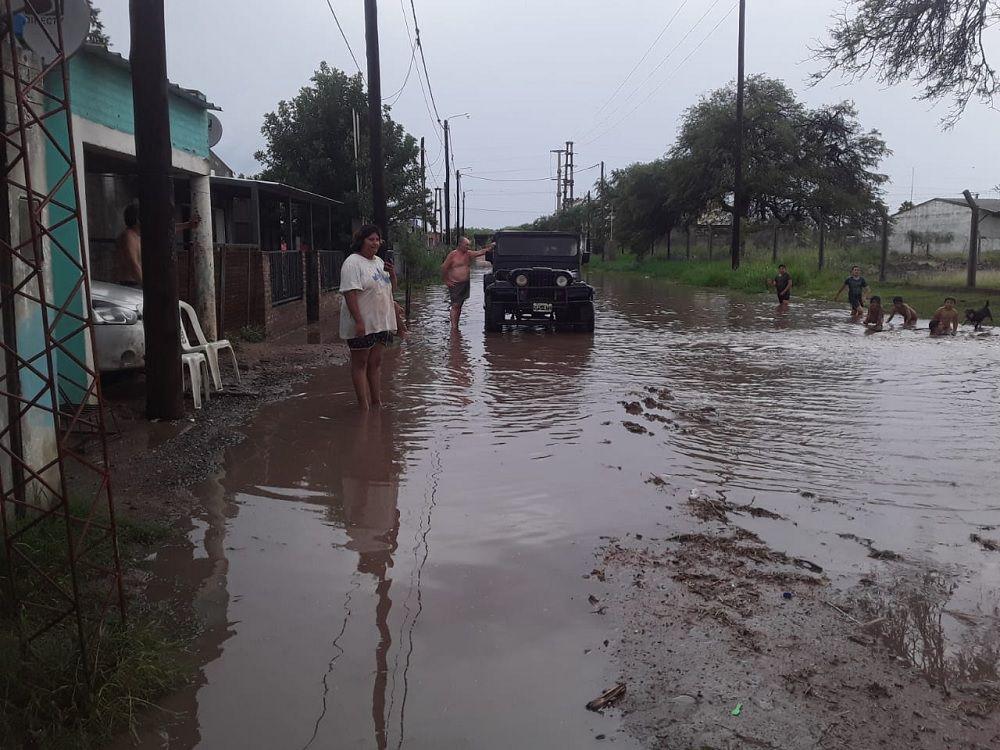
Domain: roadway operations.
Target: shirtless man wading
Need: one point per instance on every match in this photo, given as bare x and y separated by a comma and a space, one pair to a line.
455, 272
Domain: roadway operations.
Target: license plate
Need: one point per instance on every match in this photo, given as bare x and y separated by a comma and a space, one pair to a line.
542, 307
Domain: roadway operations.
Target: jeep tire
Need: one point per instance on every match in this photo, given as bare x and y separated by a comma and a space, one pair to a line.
585, 316
494, 317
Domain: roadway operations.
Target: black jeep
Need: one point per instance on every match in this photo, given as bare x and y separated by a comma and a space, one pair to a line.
536, 278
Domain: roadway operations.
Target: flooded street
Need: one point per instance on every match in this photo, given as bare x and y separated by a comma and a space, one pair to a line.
419, 577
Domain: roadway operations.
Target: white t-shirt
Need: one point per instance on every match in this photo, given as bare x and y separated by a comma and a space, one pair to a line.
374, 288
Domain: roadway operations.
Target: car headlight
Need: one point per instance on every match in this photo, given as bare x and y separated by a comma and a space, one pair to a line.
115, 315
562, 281
521, 280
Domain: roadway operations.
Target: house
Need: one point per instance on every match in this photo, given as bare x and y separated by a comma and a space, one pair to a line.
942, 226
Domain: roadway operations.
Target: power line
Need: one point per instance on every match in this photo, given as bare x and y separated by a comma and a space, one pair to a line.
423, 60
642, 59
665, 79
435, 121
659, 65
524, 179
409, 70
330, 6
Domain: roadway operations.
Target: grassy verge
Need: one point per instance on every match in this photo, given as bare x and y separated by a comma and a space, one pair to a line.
925, 295
44, 700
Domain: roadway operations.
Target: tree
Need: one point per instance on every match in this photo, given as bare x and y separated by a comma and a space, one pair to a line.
801, 164
309, 144
646, 200
905, 206
97, 35
938, 43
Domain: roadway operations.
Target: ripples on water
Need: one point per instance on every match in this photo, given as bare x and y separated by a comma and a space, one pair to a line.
413, 553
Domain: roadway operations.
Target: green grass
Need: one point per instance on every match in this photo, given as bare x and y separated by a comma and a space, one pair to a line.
45, 699
924, 294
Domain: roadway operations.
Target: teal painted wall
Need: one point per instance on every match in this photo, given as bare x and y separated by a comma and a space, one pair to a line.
65, 259
102, 93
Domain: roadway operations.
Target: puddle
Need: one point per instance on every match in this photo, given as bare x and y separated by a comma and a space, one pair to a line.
416, 577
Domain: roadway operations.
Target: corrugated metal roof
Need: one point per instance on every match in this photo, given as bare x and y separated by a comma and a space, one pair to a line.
274, 187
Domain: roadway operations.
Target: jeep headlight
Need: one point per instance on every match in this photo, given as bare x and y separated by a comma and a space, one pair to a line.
562, 281
521, 279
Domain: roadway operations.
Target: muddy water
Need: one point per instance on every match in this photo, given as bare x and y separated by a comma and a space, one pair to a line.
419, 577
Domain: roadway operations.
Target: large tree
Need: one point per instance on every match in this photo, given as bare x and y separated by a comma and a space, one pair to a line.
800, 164
309, 143
97, 34
941, 44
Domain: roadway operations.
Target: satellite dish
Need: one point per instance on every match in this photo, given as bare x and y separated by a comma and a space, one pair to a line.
75, 27
214, 130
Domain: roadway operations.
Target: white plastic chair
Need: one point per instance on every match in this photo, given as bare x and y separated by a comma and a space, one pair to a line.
197, 370
209, 348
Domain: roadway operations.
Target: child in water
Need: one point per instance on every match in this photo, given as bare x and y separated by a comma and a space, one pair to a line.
901, 308
873, 322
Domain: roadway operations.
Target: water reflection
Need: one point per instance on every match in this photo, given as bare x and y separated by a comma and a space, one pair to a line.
917, 620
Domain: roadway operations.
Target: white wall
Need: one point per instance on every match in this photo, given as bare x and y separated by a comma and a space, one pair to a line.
943, 218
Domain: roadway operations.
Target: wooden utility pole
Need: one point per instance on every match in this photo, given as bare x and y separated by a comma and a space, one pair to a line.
463, 212
973, 240
447, 189
423, 183
458, 206
161, 318
822, 241
738, 187
375, 118
885, 247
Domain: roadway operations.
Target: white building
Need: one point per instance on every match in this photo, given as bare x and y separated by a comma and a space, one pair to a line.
943, 226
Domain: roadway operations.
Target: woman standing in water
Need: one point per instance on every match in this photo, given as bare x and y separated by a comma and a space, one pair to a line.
368, 313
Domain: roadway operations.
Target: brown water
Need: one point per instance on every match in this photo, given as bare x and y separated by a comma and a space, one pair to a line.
417, 577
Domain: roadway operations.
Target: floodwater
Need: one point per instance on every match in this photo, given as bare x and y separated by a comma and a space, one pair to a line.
418, 577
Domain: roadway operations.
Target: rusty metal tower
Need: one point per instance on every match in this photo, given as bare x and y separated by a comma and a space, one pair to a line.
48, 376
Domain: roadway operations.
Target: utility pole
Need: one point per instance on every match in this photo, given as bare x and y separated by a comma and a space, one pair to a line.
375, 118
738, 187
161, 321
423, 183
569, 172
437, 210
973, 240
356, 121
602, 179
458, 205
885, 247
463, 212
559, 178
447, 188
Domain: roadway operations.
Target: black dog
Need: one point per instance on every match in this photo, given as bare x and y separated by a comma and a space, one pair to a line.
976, 317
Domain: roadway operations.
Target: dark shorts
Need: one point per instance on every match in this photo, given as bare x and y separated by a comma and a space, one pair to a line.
369, 341
458, 293
784, 296
855, 301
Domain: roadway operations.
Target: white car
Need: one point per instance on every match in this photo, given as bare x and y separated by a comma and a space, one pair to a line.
121, 341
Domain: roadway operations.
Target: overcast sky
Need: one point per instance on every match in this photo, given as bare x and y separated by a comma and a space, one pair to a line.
536, 73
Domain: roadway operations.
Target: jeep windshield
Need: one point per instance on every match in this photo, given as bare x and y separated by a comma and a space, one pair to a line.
538, 247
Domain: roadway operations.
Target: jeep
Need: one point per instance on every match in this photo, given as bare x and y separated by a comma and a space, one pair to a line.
536, 279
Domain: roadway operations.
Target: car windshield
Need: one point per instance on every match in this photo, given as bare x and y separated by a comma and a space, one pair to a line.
556, 247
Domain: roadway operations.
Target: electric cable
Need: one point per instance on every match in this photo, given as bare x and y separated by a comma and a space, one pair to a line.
664, 80
330, 6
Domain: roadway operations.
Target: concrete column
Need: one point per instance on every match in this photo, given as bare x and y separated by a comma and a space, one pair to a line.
203, 255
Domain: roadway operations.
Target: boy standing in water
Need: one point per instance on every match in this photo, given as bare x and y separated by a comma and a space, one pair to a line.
901, 308
855, 285
945, 320
782, 284
875, 315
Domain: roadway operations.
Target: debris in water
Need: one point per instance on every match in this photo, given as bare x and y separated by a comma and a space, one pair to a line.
987, 544
883, 554
786, 595
810, 566
636, 429
737, 710
657, 480
607, 698
593, 599
632, 407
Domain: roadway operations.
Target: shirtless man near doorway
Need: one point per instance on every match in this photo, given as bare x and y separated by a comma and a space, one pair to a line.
455, 273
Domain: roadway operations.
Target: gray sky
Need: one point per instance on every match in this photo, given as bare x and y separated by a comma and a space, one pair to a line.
536, 73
